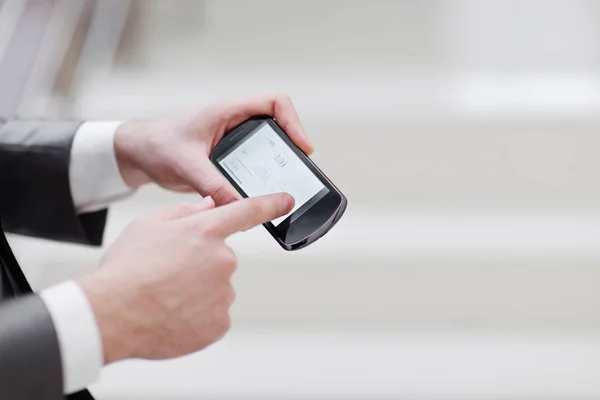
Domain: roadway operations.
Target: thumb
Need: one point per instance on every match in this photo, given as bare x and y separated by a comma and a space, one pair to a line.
185, 209
248, 213
208, 181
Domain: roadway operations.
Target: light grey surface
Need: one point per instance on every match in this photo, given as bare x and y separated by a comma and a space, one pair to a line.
353, 366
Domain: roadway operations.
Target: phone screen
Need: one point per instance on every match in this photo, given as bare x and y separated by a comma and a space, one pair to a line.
264, 164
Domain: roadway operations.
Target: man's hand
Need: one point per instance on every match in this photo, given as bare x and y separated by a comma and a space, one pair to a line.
173, 151
163, 289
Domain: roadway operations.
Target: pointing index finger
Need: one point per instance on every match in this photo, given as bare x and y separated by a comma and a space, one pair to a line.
248, 213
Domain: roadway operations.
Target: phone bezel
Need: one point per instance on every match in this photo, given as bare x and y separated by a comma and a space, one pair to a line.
295, 232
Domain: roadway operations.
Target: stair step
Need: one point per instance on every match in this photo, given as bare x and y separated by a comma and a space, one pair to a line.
369, 366
396, 269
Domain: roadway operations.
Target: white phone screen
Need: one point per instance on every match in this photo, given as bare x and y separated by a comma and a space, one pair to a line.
264, 164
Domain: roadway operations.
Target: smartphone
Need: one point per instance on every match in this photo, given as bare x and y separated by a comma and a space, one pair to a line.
257, 157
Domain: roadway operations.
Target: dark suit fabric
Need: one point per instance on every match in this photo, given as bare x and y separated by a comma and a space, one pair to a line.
35, 200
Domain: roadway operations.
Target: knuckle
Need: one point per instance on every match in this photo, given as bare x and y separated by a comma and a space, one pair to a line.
211, 186
221, 325
185, 208
224, 324
282, 97
230, 296
257, 208
228, 261
218, 191
208, 227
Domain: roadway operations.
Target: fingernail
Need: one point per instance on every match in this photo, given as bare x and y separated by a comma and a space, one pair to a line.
288, 201
208, 200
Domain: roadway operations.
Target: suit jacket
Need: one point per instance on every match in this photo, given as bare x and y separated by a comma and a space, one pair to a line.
35, 200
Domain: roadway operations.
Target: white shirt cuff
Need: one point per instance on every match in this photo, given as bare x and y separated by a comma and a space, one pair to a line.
94, 174
78, 335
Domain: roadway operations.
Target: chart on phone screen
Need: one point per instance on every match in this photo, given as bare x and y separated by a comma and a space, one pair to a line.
265, 164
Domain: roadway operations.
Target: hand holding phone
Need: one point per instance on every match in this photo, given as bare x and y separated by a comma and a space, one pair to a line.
258, 158
173, 151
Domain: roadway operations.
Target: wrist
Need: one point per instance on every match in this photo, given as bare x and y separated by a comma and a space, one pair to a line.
107, 300
127, 150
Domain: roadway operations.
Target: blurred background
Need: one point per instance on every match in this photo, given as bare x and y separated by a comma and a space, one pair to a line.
465, 134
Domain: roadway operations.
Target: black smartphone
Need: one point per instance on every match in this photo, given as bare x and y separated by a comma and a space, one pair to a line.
257, 157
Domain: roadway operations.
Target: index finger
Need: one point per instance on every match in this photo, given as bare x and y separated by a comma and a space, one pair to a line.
278, 106
248, 213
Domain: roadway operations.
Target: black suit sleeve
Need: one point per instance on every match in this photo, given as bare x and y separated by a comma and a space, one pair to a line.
30, 363
35, 192
35, 200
